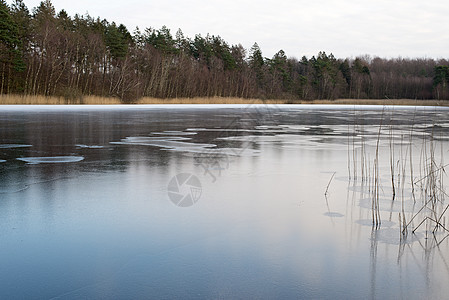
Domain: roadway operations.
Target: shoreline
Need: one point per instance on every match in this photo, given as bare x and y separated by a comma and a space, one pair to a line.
95, 100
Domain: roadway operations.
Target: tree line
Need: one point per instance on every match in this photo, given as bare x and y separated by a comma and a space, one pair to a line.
43, 52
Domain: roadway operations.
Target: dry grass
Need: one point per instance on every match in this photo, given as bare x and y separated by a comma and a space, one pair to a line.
18, 99
204, 100
382, 102
42, 100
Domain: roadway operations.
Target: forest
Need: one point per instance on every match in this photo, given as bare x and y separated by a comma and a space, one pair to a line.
49, 53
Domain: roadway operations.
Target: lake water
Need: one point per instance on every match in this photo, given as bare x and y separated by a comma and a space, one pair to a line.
221, 201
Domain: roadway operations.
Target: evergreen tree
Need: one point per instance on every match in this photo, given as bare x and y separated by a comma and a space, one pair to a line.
441, 81
256, 63
162, 40
10, 46
9, 34
116, 40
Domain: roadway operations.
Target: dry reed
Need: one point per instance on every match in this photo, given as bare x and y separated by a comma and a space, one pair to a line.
43, 100
95, 100
433, 210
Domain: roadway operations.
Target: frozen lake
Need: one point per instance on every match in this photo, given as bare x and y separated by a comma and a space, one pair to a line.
222, 201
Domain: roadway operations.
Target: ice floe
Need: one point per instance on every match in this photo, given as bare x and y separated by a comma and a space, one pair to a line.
178, 145
90, 146
334, 215
51, 159
168, 143
11, 146
175, 133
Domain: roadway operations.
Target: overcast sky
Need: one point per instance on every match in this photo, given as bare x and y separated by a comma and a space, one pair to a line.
347, 28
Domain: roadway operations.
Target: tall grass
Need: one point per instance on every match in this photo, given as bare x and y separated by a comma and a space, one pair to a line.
43, 100
432, 209
408, 102
204, 100
94, 100
19, 99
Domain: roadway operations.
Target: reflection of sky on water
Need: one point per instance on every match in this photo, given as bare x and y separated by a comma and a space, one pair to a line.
104, 226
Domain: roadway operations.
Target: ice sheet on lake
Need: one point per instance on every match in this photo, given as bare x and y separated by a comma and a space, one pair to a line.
369, 222
253, 138
334, 215
11, 146
220, 152
294, 127
331, 130
89, 146
13, 189
391, 236
148, 139
389, 205
196, 129
179, 144
294, 141
167, 142
282, 129
173, 133
221, 129
51, 159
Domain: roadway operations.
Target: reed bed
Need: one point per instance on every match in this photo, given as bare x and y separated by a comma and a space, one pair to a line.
96, 100
405, 102
204, 100
43, 100
396, 164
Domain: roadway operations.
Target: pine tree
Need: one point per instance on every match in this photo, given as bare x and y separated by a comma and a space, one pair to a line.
10, 56
117, 40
